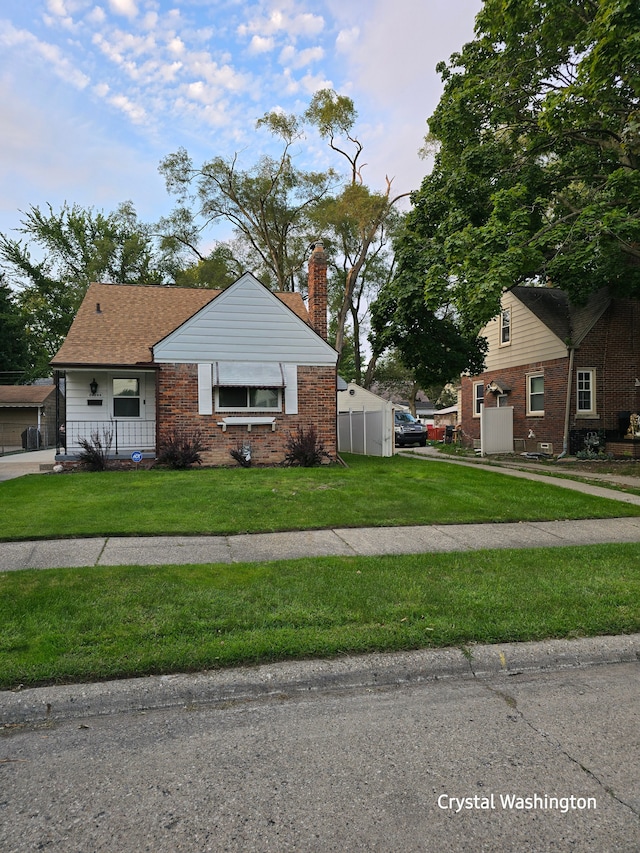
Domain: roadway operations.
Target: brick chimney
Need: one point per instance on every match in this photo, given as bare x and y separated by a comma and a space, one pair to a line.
317, 283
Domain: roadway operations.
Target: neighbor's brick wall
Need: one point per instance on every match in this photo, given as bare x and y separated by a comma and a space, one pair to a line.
548, 428
614, 342
612, 348
178, 413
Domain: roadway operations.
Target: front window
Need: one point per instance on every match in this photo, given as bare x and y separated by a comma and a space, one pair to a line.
535, 394
585, 383
126, 398
236, 398
478, 398
505, 326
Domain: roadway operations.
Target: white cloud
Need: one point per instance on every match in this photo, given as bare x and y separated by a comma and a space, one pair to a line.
310, 83
176, 46
346, 39
261, 44
132, 110
96, 16
126, 8
300, 58
304, 24
49, 54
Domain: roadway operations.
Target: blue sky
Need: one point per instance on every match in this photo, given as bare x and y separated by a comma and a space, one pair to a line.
94, 95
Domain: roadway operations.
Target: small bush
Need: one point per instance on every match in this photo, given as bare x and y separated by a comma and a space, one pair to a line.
95, 450
182, 451
304, 449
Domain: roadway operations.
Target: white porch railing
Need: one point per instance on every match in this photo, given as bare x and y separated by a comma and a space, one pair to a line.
123, 436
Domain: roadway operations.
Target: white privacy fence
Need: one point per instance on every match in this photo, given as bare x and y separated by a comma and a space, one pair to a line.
496, 430
369, 433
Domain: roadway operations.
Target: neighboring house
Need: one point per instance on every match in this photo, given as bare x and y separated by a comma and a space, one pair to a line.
571, 374
446, 417
27, 417
242, 366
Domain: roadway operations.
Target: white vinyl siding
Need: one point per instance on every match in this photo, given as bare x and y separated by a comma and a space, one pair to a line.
78, 394
530, 340
586, 392
245, 323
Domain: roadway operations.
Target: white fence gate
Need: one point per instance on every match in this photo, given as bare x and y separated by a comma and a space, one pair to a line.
368, 433
496, 430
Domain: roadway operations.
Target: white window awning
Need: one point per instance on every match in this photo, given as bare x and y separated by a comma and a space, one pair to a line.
254, 374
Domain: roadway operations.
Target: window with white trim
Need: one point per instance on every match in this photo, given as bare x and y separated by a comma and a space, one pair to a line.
586, 392
505, 327
126, 397
478, 398
535, 394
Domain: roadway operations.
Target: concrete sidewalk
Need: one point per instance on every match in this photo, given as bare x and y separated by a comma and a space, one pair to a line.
349, 542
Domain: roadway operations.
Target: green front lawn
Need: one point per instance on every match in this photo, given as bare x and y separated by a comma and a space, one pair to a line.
64, 625
369, 493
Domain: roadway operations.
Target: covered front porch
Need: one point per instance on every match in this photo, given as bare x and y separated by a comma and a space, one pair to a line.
116, 408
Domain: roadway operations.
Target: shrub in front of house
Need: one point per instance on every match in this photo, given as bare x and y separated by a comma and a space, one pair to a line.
304, 449
181, 451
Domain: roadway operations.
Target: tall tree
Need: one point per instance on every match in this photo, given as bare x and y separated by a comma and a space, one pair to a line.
536, 176
61, 253
13, 340
356, 221
267, 205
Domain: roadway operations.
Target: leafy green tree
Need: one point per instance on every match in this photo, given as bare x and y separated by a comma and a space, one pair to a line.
396, 379
355, 223
536, 176
13, 339
219, 269
267, 205
427, 336
61, 253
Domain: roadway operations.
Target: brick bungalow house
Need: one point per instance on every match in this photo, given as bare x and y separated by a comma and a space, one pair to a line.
569, 373
243, 366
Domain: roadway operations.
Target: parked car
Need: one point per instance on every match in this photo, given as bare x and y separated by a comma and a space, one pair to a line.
408, 430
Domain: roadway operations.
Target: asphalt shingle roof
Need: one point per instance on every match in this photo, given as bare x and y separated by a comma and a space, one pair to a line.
24, 395
117, 324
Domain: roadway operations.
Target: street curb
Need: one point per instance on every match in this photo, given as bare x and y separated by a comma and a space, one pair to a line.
297, 679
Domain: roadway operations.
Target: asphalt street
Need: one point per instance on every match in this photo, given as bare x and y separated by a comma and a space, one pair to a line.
491, 754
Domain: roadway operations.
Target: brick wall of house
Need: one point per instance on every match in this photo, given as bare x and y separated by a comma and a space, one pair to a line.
611, 349
546, 428
177, 408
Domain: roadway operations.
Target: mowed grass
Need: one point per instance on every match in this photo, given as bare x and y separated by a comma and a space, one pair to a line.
369, 493
65, 625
